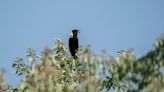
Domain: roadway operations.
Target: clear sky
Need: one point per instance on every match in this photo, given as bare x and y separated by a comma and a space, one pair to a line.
106, 24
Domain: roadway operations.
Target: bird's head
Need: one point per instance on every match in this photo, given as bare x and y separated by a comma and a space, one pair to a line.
74, 33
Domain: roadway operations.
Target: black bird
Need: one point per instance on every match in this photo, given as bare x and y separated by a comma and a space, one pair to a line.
73, 42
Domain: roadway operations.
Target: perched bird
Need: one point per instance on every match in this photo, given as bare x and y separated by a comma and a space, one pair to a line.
73, 42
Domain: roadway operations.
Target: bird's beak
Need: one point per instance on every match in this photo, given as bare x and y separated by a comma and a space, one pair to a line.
71, 35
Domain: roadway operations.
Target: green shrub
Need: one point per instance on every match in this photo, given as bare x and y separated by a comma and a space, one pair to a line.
54, 70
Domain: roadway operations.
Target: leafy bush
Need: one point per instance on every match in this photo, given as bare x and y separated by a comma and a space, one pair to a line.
54, 70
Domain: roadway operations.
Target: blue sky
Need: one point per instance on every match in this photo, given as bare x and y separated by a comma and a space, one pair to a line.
106, 24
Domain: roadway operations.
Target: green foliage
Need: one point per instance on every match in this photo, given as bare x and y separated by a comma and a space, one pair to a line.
140, 74
54, 70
